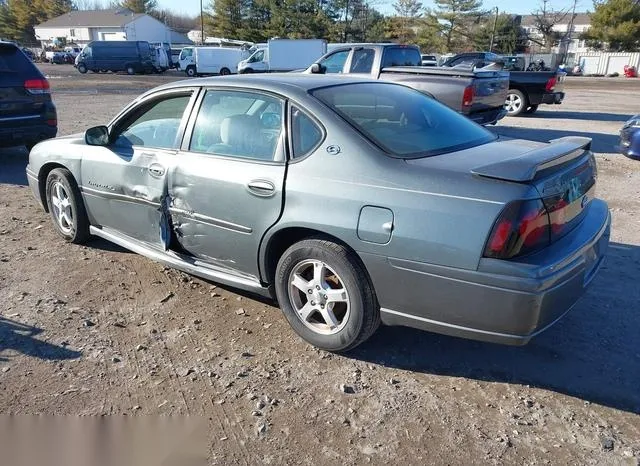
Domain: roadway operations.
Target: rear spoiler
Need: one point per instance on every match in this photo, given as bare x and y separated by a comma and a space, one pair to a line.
525, 167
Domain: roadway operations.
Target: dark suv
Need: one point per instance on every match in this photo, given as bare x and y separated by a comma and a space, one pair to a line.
27, 113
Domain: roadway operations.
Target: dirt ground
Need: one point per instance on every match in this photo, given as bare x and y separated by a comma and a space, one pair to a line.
92, 330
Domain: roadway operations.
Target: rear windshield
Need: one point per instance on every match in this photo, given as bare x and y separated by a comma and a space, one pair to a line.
12, 60
402, 121
401, 56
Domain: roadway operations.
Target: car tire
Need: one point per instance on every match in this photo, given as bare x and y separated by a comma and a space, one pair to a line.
191, 71
82, 68
225, 72
516, 102
339, 310
131, 70
66, 206
248, 71
531, 109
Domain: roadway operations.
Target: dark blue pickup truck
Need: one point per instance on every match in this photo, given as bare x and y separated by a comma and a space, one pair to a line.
527, 89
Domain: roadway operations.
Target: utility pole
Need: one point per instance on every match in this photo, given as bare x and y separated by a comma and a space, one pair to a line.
493, 32
201, 23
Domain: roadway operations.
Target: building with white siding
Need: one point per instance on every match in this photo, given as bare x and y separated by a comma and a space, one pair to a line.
82, 26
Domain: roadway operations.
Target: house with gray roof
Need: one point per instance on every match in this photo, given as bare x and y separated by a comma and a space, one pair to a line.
82, 26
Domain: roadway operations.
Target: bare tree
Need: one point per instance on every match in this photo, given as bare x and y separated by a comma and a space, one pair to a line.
545, 20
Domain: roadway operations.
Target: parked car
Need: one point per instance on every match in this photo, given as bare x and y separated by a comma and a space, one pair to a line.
282, 55
630, 138
130, 56
62, 58
382, 205
527, 89
479, 95
429, 60
27, 113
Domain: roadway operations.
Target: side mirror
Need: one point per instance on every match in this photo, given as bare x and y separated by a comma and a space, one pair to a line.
316, 68
97, 136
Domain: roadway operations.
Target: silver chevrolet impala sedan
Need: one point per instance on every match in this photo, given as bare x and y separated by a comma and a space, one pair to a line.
351, 202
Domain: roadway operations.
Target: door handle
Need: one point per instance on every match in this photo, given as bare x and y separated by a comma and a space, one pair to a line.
262, 188
156, 169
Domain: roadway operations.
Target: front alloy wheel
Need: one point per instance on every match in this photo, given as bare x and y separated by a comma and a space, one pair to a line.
66, 206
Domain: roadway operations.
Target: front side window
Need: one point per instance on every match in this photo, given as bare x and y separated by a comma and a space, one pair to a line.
402, 121
238, 124
305, 133
334, 63
186, 53
153, 125
257, 57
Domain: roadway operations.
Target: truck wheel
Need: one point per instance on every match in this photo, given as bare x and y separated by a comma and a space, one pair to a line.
516, 102
82, 68
247, 71
225, 72
131, 70
190, 71
531, 109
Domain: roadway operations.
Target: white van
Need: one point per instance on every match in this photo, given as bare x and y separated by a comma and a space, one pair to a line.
210, 60
284, 55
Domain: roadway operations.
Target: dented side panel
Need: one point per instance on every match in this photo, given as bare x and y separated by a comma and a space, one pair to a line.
215, 214
122, 191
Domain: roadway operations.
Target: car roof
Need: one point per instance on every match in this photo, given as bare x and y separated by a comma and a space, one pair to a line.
274, 82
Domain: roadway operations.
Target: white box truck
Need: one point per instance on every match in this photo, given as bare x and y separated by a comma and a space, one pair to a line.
196, 61
284, 55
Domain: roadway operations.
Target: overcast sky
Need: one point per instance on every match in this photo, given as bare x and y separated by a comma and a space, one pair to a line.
510, 6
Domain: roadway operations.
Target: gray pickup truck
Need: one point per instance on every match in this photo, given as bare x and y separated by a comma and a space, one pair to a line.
477, 94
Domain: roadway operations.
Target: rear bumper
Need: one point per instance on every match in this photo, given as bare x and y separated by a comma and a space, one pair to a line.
28, 132
552, 98
488, 117
501, 302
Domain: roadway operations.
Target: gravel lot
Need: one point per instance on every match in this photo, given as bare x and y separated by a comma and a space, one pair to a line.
98, 330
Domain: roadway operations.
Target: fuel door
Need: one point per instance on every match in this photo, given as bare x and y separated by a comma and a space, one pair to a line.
375, 224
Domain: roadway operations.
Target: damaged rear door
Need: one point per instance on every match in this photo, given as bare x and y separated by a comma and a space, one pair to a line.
226, 187
125, 183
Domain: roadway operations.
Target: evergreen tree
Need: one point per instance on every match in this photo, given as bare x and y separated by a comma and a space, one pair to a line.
407, 11
509, 37
140, 6
615, 24
456, 17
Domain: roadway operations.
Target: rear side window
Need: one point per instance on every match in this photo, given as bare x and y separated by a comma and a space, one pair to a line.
401, 56
402, 121
12, 60
306, 134
362, 61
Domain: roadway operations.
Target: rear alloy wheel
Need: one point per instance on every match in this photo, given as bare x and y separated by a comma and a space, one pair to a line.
131, 70
225, 72
82, 68
325, 294
516, 102
66, 206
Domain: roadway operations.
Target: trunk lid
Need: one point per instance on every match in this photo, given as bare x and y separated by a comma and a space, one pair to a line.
563, 173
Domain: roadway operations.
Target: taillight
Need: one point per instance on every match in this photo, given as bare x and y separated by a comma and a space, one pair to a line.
52, 122
467, 97
521, 228
551, 84
37, 86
